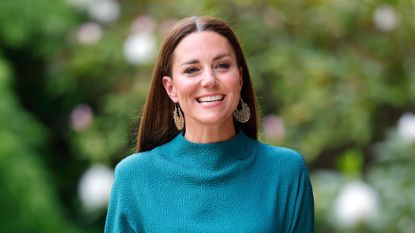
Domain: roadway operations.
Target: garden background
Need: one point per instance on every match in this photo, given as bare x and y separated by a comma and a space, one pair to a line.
335, 80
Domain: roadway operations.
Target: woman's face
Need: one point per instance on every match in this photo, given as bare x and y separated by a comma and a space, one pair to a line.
206, 80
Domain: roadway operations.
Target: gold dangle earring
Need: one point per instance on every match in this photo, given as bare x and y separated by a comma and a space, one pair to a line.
178, 117
244, 114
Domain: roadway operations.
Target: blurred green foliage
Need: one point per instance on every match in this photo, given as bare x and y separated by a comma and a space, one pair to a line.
338, 73
28, 201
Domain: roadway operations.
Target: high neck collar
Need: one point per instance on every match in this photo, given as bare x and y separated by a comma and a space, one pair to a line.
212, 156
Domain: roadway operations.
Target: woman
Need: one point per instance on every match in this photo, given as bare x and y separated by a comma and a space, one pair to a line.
199, 166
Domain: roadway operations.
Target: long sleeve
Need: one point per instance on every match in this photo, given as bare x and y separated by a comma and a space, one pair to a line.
303, 219
119, 211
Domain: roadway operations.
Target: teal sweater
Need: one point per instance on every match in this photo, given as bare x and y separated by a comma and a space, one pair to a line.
240, 185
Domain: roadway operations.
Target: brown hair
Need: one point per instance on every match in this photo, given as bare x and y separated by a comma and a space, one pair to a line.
157, 126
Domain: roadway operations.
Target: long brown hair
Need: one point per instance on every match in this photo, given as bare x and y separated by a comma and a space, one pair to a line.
157, 126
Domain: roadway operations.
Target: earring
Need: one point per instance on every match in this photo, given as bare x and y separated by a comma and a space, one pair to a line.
244, 114
178, 117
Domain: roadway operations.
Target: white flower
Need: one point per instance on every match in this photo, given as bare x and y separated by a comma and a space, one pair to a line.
139, 48
356, 203
95, 187
89, 33
105, 11
81, 117
406, 127
384, 18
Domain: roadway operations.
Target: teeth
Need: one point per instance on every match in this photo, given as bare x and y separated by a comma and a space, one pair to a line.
210, 98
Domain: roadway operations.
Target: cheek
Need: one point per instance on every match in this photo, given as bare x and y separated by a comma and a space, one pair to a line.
184, 88
234, 83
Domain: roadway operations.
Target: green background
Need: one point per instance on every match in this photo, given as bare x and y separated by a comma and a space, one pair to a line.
335, 80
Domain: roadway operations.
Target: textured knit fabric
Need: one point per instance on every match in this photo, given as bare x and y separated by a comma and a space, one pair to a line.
240, 185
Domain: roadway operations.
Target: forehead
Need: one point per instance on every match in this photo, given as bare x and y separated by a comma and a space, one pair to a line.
202, 45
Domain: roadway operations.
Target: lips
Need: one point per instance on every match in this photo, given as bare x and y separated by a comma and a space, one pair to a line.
210, 98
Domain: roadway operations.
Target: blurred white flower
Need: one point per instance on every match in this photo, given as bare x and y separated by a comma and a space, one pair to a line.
355, 204
81, 117
384, 18
274, 127
105, 11
406, 127
139, 48
89, 33
95, 187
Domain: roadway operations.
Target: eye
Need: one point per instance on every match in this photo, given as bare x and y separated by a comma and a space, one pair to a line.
191, 70
223, 66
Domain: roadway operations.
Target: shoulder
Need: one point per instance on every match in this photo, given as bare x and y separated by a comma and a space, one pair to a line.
133, 164
281, 158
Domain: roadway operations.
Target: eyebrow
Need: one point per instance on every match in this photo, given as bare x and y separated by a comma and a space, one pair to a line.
194, 61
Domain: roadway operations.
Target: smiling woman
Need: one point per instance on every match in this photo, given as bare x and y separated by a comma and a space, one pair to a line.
206, 83
199, 166
157, 125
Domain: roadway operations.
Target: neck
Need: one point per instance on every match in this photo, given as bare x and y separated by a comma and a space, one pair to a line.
199, 158
209, 133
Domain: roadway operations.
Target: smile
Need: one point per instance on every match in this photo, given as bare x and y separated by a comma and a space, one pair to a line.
211, 98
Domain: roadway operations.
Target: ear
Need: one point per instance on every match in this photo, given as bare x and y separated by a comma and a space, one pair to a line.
169, 87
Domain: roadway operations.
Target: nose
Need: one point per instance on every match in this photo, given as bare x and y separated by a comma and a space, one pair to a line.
209, 79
